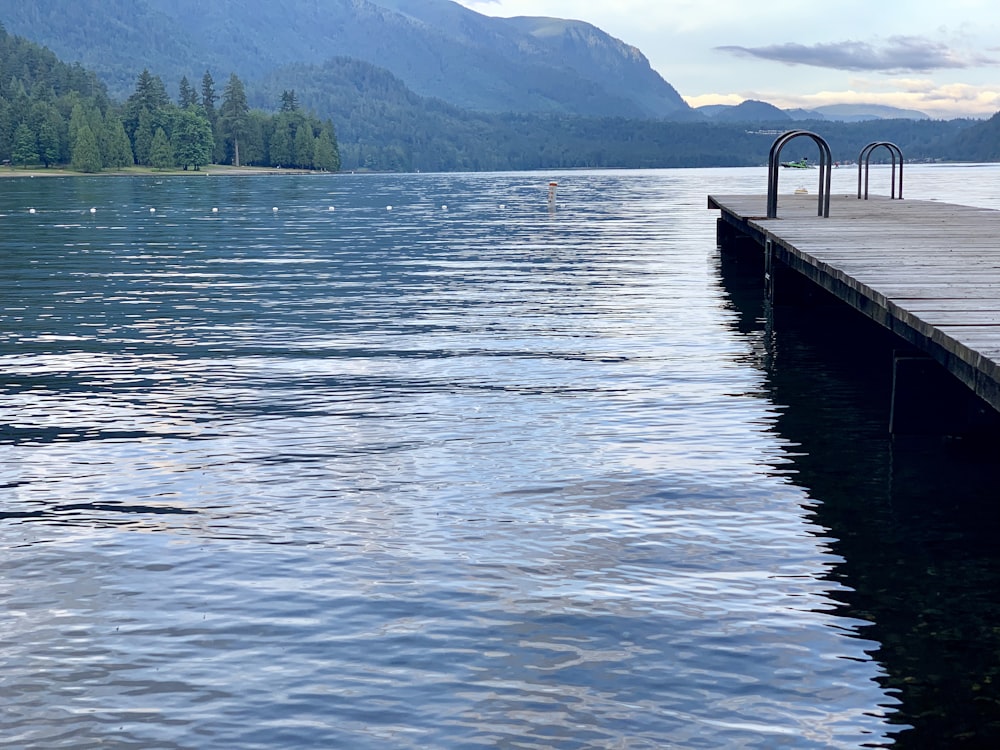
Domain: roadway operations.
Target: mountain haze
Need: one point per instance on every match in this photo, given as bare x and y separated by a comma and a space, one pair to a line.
436, 47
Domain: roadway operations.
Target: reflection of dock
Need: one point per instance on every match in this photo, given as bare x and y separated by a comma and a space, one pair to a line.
927, 271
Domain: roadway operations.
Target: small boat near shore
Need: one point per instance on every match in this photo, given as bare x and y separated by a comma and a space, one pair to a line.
802, 163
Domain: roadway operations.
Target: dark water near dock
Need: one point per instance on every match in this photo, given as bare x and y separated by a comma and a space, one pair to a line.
472, 471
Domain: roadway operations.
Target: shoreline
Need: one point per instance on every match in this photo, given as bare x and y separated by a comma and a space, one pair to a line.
213, 170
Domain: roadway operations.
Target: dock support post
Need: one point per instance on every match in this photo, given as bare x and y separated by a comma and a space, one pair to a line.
769, 269
783, 285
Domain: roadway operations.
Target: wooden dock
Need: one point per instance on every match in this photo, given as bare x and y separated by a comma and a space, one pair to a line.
928, 271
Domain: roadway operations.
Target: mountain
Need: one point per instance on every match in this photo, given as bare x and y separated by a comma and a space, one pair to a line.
756, 111
978, 142
862, 112
436, 47
750, 110
805, 114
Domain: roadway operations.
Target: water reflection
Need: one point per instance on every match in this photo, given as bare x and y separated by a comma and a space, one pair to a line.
916, 523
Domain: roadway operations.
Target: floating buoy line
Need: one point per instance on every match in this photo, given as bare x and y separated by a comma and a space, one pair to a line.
444, 207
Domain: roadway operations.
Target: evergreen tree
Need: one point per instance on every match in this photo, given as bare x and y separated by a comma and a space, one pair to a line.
25, 149
48, 143
208, 100
324, 153
280, 145
188, 97
252, 147
77, 119
161, 155
143, 139
86, 155
119, 150
143, 112
234, 115
288, 101
7, 127
208, 96
330, 134
304, 146
150, 93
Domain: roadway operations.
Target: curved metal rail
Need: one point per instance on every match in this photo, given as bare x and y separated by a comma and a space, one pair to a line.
864, 158
773, 165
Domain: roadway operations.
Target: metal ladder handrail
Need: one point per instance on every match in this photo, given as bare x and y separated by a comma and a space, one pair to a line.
865, 157
773, 164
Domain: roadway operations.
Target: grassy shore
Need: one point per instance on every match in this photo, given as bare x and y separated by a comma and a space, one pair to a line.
211, 169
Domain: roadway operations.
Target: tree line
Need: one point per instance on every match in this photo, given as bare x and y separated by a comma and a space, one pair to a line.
56, 114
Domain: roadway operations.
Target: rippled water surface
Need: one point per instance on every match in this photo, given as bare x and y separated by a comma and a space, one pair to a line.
476, 470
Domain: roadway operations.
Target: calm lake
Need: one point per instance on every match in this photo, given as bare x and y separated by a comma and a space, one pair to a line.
429, 461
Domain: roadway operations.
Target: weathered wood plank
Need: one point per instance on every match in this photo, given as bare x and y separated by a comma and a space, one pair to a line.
928, 270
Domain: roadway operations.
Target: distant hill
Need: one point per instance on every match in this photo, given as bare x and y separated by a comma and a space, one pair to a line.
757, 111
750, 110
805, 114
862, 112
978, 142
436, 47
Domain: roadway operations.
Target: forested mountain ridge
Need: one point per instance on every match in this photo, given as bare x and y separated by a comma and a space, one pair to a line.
383, 125
436, 47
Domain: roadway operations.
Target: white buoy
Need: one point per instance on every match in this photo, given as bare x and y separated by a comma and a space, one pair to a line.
152, 210
31, 210
275, 209
444, 207
503, 206
388, 208
331, 208
215, 210
93, 210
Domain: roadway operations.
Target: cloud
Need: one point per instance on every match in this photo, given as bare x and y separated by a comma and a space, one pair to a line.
900, 54
943, 101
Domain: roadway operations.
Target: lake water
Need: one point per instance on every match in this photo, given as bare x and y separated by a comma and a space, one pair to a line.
284, 467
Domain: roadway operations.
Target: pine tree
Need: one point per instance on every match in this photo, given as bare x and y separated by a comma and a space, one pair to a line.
150, 92
7, 127
48, 143
25, 149
161, 155
77, 119
143, 139
188, 97
208, 96
288, 101
86, 156
144, 111
119, 150
280, 144
234, 114
304, 146
324, 153
330, 134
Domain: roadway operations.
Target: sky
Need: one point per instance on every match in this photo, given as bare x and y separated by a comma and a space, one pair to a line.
941, 58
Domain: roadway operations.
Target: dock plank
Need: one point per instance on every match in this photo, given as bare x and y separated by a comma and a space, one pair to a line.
929, 270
